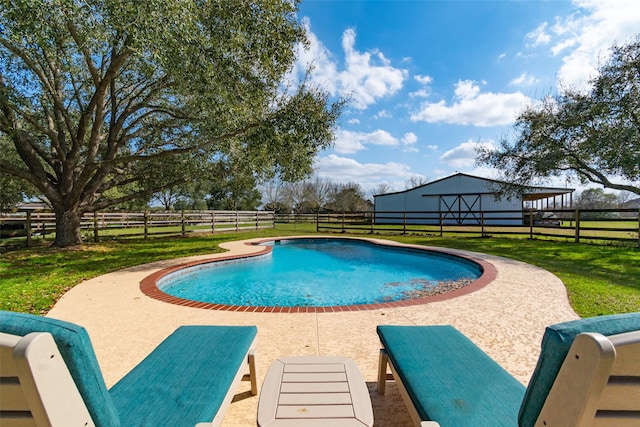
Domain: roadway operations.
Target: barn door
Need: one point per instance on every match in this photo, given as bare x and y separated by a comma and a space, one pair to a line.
460, 209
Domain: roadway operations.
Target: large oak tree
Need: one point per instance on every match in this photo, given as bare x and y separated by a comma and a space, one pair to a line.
593, 135
106, 101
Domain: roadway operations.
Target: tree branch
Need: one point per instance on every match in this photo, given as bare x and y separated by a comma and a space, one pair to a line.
102, 204
87, 55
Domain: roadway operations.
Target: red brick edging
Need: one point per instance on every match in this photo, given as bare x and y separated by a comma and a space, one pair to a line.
149, 285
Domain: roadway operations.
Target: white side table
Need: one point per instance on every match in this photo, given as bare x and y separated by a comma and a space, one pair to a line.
314, 391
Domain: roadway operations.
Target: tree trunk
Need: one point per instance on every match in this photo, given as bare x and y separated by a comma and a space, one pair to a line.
68, 228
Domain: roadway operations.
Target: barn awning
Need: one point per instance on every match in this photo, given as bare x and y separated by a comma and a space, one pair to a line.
538, 193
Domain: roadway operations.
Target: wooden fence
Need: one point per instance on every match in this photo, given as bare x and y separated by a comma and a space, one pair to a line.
136, 224
603, 225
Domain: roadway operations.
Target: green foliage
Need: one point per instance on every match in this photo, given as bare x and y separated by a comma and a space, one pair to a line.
232, 187
106, 102
596, 198
592, 136
13, 190
349, 198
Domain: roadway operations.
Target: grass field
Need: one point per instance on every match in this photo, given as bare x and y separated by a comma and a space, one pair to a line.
599, 279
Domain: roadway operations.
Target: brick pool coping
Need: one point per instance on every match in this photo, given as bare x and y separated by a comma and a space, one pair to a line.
149, 285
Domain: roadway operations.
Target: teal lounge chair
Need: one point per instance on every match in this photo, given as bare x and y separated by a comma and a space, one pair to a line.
49, 376
588, 374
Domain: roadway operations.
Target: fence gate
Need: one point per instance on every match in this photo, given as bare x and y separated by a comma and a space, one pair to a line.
460, 209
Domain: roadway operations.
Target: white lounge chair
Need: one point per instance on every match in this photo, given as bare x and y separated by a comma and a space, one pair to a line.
588, 374
49, 376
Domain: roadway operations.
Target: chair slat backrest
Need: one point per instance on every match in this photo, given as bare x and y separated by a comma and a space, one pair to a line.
76, 349
621, 398
598, 383
36, 386
14, 408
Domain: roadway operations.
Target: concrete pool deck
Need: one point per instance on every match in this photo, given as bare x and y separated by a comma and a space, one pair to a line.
506, 319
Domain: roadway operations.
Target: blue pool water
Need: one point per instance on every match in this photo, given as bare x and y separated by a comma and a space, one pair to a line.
319, 272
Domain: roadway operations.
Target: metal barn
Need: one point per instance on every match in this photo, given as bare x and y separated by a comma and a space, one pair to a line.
465, 200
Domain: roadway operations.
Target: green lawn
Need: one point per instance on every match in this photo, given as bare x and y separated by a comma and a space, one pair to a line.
599, 279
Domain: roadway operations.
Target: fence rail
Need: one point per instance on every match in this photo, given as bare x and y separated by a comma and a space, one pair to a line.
136, 224
592, 225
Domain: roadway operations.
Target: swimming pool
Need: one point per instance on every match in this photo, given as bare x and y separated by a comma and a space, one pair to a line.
322, 272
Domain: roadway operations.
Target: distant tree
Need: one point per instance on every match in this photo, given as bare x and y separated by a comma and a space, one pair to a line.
167, 197
102, 95
232, 187
382, 188
624, 197
319, 193
13, 190
593, 135
349, 197
596, 198
273, 197
416, 181
297, 195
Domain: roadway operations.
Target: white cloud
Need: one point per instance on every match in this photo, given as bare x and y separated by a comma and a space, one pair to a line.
383, 114
382, 137
539, 36
425, 80
587, 35
563, 45
425, 91
501, 56
353, 121
344, 169
467, 89
471, 107
409, 138
348, 142
464, 155
366, 77
524, 79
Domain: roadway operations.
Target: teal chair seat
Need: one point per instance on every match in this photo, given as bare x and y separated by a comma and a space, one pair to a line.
449, 379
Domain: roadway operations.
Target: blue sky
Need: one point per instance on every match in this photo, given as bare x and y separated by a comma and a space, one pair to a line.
430, 80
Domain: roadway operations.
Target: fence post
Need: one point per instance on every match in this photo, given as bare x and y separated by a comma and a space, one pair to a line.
577, 238
95, 226
317, 222
237, 221
531, 223
213, 222
404, 222
257, 220
182, 223
145, 220
343, 217
441, 224
28, 228
482, 223
371, 214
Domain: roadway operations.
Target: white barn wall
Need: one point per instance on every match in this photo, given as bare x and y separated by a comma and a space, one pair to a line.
460, 197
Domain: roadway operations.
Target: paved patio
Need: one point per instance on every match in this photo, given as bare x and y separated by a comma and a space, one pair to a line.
506, 319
